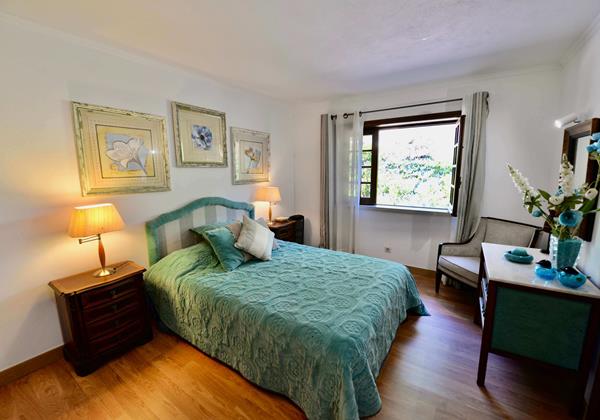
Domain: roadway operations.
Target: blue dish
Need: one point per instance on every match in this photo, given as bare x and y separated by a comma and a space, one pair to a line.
545, 273
572, 280
519, 256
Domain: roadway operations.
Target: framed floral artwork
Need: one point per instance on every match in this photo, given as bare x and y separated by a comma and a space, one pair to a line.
119, 151
250, 156
199, 136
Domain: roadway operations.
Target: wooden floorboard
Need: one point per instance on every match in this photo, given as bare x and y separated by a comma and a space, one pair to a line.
429, 374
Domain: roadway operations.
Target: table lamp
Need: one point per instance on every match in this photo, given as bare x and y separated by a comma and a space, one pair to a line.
89, 222
270, 194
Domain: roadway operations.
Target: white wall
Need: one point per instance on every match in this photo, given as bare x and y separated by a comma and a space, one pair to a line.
41, 72
581, 93
523, 106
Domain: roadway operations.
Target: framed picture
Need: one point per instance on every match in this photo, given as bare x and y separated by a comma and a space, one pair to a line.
199, 136
250, 156
119, 151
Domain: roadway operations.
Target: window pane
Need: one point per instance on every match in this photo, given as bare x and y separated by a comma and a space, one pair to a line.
365, 190
367, 142
365, 175
366, 158
415, 166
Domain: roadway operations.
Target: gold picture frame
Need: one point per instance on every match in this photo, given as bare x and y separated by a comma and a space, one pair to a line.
120, 151
251, 156
200, 136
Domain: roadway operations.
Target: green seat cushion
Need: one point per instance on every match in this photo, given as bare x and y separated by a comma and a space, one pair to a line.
222, 241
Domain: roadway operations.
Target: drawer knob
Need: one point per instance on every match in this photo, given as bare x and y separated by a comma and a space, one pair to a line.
113, 293
115, 307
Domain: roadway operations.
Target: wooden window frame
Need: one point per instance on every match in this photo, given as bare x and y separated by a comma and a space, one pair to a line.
373, 127
374, 133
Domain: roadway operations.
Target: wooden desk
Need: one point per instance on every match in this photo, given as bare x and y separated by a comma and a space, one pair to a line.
529, 318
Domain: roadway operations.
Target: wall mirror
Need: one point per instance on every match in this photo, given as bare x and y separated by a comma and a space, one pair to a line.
575, 141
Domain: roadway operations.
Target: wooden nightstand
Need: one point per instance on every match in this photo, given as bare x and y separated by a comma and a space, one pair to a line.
102, 317
290, 230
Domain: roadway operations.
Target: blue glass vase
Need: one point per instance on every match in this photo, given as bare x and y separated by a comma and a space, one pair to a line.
564, 252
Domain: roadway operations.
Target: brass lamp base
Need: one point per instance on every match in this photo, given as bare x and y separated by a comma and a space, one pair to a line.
103, 272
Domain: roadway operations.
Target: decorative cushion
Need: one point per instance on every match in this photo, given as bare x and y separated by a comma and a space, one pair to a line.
461, 268
199, 230
222, 241
264, 223
255, 239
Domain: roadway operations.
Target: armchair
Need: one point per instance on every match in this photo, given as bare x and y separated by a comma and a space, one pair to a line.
460, 260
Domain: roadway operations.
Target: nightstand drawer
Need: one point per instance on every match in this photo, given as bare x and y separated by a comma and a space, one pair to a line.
110, 293
108, 324
111, 308
127, 332
286, 233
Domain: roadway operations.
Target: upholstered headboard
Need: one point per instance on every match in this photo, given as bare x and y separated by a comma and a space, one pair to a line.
171, 231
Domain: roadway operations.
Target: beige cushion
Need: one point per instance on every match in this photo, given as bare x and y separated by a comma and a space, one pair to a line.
255, 239
461, 268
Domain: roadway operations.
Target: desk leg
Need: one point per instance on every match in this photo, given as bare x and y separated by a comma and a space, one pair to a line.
486, 339
578, 402
477, 314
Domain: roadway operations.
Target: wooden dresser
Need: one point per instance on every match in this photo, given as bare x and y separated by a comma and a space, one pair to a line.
526, 317
287, 231
102, 317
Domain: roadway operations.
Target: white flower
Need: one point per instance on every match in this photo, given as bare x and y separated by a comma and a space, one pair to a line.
123, 153
522, 183
591, 194
555, 200
565, 180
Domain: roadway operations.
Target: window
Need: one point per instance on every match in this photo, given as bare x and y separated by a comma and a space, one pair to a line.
412, 162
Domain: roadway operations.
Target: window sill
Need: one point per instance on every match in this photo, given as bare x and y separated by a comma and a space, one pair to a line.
410, 210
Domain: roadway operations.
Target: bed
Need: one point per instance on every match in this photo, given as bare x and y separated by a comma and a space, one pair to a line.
312, 324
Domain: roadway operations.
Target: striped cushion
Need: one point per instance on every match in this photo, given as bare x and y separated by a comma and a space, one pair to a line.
255, 239
176, 234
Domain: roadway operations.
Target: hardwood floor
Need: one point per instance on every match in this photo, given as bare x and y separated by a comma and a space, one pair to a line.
429, 374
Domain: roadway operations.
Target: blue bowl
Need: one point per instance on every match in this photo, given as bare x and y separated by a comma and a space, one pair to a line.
571, 280
519, 259
545, 273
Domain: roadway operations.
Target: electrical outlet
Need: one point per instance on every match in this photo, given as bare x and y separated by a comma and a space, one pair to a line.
387, 250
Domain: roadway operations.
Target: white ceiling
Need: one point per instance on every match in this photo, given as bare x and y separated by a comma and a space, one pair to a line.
316, 49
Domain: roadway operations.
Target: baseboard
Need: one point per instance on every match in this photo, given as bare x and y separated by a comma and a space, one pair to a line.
421, 271
24, 368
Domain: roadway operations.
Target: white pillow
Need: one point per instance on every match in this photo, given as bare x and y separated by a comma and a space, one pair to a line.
264, 223
255, 239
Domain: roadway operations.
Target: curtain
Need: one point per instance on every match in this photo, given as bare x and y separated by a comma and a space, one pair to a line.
475, 109
341, 145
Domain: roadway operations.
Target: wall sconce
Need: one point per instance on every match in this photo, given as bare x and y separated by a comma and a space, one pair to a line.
567, 119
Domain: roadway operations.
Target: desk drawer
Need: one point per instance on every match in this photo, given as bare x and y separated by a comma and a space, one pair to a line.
540, 326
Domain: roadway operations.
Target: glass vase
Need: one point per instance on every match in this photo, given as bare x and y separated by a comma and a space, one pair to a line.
564, 252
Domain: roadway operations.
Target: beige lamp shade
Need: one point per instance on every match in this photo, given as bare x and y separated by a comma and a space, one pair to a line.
94, 220
270, 194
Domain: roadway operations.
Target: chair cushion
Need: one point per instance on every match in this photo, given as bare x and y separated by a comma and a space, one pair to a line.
461, 268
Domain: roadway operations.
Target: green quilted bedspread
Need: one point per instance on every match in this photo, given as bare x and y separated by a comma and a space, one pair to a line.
312, 324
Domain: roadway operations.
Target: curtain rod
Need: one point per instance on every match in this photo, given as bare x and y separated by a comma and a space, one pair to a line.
361, 113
